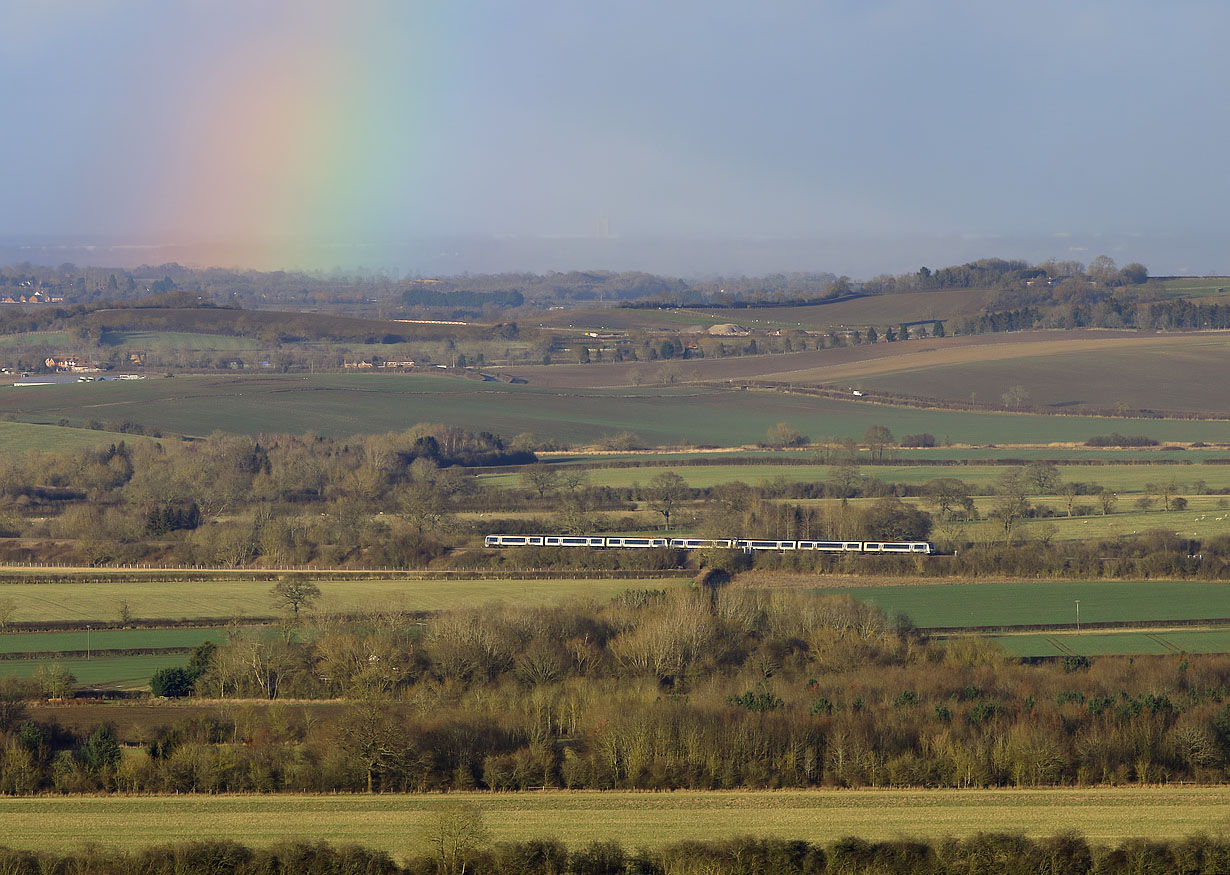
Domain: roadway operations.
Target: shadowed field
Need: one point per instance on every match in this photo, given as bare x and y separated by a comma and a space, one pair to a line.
341, 405
820, 366
871, 310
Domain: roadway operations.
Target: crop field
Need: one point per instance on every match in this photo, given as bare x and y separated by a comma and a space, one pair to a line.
872, 310
1126, 643
33, 338
1111, 368
121, 672
237, 598
1023, 603
19, 437
1171, 373
248, 323
700, 476
389, 822
185, 340
1174, 461
1196, 286
336, 404
1117, 478
823, 366
106, 639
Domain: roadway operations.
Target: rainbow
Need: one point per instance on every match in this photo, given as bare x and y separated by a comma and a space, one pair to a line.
303, 141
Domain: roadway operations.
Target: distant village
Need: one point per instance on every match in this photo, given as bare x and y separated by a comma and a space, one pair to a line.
38, 297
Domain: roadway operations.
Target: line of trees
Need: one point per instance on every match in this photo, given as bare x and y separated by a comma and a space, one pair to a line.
409, 499
709, 689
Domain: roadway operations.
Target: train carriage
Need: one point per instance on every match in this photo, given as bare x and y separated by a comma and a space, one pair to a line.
748, 545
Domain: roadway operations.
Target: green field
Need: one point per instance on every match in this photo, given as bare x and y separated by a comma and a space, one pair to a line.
389, 822
236, 598
339, 404
124, 672
1196, 286
34, 338
1201, 521
106, 639
1091, 457
18, 437
1117, 478
1111, 643
1041, 603
181, 340
871, 310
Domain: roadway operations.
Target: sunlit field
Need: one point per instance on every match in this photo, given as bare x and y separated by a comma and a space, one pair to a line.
634, 819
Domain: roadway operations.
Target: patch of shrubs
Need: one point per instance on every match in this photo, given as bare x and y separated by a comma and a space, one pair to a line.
1118, 440
1069, 853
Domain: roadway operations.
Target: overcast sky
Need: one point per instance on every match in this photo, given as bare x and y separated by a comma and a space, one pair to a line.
275, 124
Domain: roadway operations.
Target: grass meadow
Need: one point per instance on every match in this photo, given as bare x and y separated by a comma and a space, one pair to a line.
1178, 460
343, 404
1203, 520
182, 340
389, 822
1117, 478
1021, 603
871, 310
33, 339
20, 437
162, 599
1197, 286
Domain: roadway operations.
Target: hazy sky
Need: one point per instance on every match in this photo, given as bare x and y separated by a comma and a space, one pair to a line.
269, 124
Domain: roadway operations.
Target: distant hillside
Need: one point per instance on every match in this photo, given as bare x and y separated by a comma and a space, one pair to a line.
288, 326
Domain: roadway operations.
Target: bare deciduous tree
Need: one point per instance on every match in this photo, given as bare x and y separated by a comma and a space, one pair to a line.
454, 831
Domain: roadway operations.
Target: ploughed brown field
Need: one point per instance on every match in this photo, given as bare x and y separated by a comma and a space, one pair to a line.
818, 366
1093, 369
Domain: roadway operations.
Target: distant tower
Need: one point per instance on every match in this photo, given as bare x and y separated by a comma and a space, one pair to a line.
602, 229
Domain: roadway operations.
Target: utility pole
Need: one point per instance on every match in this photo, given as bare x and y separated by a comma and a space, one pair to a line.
1078, 615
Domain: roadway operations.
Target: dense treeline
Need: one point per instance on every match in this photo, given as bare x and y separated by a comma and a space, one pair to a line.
980, 854
709, 689
210, 858
472, 292
432, 297
379, 501
411, 499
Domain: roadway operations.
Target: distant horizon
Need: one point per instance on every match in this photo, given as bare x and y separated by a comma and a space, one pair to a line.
692, 139
857, 256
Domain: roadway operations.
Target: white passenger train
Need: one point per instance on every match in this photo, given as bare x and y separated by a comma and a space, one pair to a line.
747, 545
